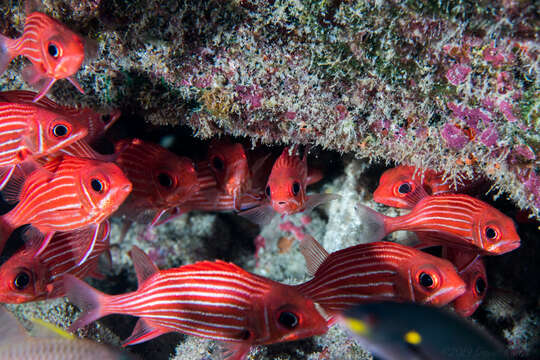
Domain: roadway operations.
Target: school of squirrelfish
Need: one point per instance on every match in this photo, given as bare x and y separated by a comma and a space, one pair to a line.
64, 192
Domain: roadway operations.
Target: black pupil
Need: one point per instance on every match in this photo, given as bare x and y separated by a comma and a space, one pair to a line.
404, 188
244, 335
218, 164
426, 280
96, 185
490, 233
60, 130
106, 118
53, 50
295, 188
288, 319
22, 280
480, 286
268, 191
165, 180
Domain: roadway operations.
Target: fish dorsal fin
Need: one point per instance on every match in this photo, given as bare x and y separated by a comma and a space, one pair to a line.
144, 267
13, 189
314, 253
45, 329
10, 328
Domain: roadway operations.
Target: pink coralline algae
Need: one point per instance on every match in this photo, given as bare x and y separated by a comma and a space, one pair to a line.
497, 57
454, 137
489, 136
506, 109
457, 74
470, 117
249, 95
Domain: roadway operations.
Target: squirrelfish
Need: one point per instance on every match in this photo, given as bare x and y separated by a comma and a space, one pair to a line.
377, 271
408, 331
215, 300
161, 180
96, 123
286, 189
24, 277
403, 186
451, 220
55, 52
66, 194
472, 270
31, 131
49, 342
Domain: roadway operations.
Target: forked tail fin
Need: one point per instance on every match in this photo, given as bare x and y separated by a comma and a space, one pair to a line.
5, 54
373, 222
89, 300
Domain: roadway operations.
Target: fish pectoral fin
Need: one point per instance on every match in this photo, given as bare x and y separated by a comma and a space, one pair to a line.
75, 83
260, 215
10, 329
144, 267
233, 351
317, 199
143, 331
313, 252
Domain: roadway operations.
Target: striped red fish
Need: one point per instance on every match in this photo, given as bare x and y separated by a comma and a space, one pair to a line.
215, 300
29, 131
24, 277
377, 271
55, 51
161, 180
403, 186
286, 189
96, 123
66, 194
454, 220
472, 270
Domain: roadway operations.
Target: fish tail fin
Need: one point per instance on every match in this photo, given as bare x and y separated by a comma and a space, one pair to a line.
91, 301
374, 223
6, 54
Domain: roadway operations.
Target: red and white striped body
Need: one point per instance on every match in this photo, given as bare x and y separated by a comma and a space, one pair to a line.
96, 123
206, 176
161, 179
381, 271
211, 199
460, 221
215, 300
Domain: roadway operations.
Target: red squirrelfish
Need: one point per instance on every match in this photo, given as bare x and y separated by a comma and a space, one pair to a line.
403, 186
161, 180
55, 51
215, 300
454, 220
28, 130
286, 189
66, 194
378, 271
96, 123
472, 270
24, 277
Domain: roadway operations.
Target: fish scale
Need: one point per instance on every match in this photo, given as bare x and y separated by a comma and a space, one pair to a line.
378, 271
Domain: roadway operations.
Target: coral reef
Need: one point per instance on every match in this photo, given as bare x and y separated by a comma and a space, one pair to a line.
450, 85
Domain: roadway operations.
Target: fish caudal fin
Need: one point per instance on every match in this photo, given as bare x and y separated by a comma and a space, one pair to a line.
89, 300
373, 222
313, 252
143, 331
5, 54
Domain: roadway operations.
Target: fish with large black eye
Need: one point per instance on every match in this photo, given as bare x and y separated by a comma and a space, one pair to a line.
286, 189
22, 280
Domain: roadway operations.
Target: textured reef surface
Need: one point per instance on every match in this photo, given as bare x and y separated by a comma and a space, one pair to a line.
448, 85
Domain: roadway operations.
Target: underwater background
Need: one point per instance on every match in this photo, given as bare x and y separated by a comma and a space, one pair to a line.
447, 85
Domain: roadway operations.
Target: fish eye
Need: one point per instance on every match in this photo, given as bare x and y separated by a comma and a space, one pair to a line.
165, 180
288, 319
217, 163
97, 185
60, 130
295, 188
245, 335
21, 280
106, 118
480, 286
268, 190
426, 280
404, 188
53, 50
491, 233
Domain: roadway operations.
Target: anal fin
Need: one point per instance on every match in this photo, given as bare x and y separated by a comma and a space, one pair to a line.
143, 331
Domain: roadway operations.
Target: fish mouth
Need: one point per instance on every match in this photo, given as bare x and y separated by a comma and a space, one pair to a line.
439, 299
505, 246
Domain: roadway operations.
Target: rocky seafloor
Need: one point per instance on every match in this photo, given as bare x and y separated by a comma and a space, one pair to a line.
449, 85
